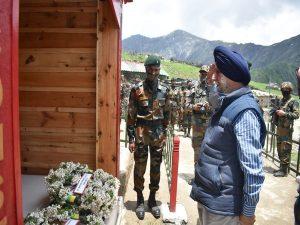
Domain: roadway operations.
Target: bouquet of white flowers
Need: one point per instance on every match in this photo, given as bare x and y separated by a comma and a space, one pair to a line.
61, 182
77, 192
57, 215
53, 214
100, 194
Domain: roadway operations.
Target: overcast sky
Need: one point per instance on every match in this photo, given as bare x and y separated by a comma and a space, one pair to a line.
258, 21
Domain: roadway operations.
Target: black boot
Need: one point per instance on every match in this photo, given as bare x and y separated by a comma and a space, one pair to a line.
283, 172
280, 168
185, 132
153, 207
189, 132
140, 208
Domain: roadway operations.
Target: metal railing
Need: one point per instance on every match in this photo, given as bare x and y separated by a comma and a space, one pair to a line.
270, 150
168, 153
171, 160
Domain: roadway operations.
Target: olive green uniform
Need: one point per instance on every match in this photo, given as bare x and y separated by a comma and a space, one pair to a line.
174, 102
181, 99
285, 128
187, 111
148, 118
125, 90
199, 118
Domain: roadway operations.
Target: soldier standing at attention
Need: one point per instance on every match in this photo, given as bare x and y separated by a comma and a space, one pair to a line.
187, 110
201, 111
148, 118
181, 99
285, 114
173, 104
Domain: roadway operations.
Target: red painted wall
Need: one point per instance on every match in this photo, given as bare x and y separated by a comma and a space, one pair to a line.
10, 182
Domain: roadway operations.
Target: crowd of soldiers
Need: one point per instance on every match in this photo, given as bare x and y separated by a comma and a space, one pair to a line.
184, 93
189, 108
152, 107
190, 111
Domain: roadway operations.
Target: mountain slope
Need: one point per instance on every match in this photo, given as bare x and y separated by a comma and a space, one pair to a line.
270, 63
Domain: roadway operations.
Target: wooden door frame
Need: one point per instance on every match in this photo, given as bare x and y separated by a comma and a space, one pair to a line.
10, 174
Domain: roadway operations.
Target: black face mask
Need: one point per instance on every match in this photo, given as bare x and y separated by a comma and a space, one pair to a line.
286, 94
152, 77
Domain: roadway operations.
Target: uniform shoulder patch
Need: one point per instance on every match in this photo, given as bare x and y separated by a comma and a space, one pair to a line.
164, 87
137, 86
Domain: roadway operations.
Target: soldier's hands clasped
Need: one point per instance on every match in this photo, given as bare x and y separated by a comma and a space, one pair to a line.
132, 147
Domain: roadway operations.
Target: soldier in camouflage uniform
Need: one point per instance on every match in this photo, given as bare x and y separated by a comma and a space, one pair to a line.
174, 100
148, 118
283, 116
187, 110
181, 99
201, 111
125, 89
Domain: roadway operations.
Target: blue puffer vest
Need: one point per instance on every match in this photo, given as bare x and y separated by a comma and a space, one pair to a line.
219, 179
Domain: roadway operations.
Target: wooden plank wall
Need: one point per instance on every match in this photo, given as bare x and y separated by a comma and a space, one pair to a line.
57, 83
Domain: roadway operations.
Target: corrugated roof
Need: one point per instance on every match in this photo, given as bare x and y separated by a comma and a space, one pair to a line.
137, 67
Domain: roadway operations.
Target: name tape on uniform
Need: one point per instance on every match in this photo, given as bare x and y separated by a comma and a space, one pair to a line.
82, 183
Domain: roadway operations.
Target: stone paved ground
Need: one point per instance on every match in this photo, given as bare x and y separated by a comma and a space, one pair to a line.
275, 206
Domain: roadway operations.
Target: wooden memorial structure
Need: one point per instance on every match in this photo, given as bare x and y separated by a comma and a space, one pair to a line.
59, 90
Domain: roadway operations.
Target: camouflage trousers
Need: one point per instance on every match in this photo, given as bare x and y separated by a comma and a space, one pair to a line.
187, 120
180, 117
284, 146
144, 143
199, 126
174, 118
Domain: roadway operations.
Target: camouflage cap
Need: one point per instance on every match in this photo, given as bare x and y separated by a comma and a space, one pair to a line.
204, 68
152, 60
286, 86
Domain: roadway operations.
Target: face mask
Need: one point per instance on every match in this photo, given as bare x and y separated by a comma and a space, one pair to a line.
285, 94
215, 97
151, 77
203, 81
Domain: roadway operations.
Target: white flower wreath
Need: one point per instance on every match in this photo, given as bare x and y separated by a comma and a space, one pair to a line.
90, 207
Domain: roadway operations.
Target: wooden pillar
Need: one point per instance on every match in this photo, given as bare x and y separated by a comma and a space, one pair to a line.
108, 89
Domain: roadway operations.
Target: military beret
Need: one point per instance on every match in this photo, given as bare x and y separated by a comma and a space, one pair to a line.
232, 65
152, 60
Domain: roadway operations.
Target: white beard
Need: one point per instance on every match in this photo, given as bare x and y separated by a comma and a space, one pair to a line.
223, 85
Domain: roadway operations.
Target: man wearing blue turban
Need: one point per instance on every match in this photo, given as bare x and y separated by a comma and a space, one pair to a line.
229, 170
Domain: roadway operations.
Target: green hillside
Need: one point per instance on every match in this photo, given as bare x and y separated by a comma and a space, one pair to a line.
133, 57
274, 63
275, 73
174, 69
185, 71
